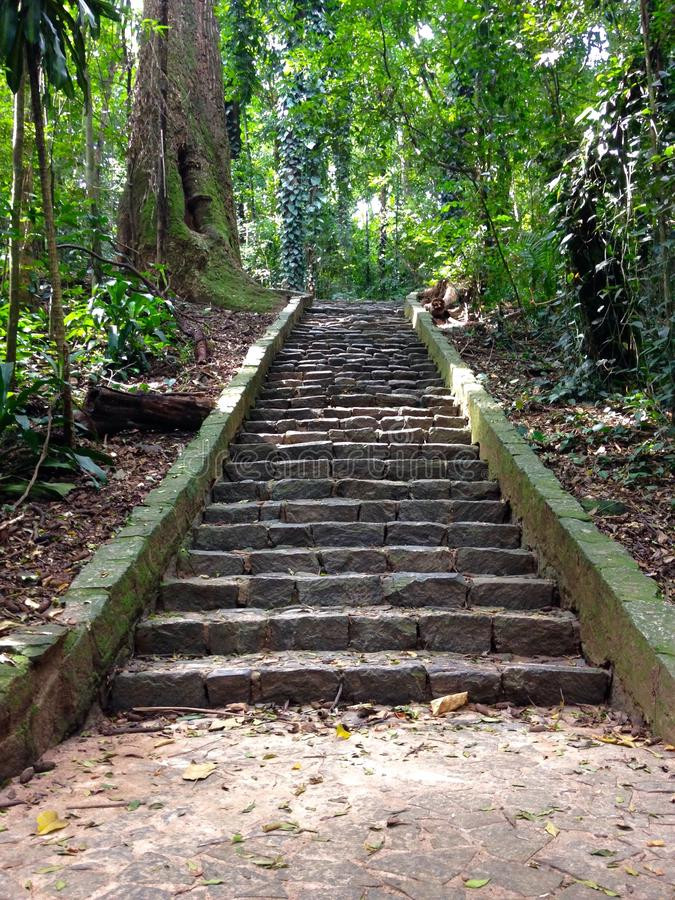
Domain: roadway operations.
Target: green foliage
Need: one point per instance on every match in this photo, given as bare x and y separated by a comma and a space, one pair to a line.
136, 325
24, 429
53, 28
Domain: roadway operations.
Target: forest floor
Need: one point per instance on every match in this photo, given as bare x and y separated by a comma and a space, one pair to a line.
486, 802
614, 460
43, 545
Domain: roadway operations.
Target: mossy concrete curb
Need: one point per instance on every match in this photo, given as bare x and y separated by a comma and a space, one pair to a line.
50, 675
624, 621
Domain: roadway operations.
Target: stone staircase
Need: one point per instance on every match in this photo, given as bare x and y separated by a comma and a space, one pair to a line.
355, 546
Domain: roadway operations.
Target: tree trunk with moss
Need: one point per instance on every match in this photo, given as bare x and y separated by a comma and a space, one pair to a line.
178, 209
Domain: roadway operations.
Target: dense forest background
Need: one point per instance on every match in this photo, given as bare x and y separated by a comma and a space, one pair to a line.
523, 151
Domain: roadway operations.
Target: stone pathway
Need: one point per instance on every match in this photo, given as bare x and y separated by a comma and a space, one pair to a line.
356, 548
524, 805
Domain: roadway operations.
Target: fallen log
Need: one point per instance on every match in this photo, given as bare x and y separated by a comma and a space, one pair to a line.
107, 411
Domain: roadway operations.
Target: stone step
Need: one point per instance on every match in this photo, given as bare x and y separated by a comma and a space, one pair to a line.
353, 424
337, 509
394, 447
361, 433
355, 488
368, 629
299, 409
460, 469
305, 677
270, 534
446, 590
369, 560
332, 413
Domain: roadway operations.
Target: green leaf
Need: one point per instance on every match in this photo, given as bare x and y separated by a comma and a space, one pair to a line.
476, 882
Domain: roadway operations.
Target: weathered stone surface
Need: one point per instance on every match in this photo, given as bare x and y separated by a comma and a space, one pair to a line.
238, 633
420, 559
328, 510
284, 561
151, 688
225, 685
267, 591
364, 489
340, 590
213, 563
546, 684
282, 534
495, 562
297, 685
231, 537
404, 683
354, 559
335, 534
166, 636
305, 489
430, 489
483, 684
511, 592
199, 593
476, 534
378, 511
414, 590
536, 635
303, 630
456, 632
418, 533
372, 631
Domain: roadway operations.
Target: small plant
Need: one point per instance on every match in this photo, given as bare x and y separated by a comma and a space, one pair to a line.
27, 444
136, 325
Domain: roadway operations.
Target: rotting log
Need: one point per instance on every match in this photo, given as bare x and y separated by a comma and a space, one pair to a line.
107, 411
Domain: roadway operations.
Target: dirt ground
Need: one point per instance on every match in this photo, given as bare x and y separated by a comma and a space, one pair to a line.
43, 545
619, 468
493, 803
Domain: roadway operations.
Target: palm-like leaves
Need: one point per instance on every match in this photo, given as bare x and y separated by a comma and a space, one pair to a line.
56, 29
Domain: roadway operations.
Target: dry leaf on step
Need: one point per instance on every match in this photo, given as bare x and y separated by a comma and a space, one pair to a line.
449, 703
198, 771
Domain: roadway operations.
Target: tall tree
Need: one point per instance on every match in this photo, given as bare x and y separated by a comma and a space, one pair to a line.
178, 210
16, 204
40, 36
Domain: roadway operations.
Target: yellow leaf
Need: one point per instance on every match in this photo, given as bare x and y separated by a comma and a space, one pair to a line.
657, 842
297, 766
551, 829
449, 703
629, 870
342, 732
49, 821
198, 771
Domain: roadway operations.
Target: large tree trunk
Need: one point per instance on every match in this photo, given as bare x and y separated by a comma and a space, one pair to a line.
178, 209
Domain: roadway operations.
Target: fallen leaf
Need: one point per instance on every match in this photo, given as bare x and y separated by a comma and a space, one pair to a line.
342, 732
476, 882
657, 842
373, 848
297, 766
449, 703
49, 821
237, 838
198, 771
551, 829
208, 881
250, 807
60, 885
594, 886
